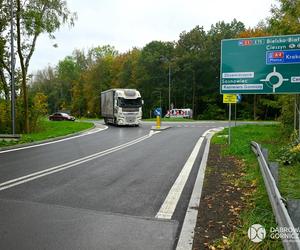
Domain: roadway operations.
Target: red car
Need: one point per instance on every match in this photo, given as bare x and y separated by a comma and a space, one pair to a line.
61, 117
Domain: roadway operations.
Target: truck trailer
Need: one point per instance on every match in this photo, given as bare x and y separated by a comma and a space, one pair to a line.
121, 106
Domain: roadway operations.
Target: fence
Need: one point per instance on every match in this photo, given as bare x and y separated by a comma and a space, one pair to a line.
286, 213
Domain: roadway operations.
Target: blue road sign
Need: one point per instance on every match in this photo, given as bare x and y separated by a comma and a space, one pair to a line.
283, 57
157, 112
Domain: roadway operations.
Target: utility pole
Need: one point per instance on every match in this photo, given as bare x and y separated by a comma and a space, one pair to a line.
170, 85
12, 81
167, 60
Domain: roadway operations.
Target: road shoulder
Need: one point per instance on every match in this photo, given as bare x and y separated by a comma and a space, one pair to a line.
221, 200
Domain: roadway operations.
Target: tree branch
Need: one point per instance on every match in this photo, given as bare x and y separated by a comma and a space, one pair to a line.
18, 17
3, 64
32, 47
5, 87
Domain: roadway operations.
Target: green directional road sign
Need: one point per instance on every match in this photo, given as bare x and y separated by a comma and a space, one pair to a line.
261, 65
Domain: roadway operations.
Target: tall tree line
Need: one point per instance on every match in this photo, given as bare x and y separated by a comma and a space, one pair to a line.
193, 61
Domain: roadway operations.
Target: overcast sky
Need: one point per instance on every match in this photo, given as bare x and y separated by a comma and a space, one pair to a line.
134, 23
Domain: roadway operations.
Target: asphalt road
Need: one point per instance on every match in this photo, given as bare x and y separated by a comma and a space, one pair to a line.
99, 191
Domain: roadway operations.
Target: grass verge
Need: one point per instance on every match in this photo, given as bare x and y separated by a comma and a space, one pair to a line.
258, 209
50, 129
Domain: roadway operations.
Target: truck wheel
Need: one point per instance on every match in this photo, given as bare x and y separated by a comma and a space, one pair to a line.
116, 122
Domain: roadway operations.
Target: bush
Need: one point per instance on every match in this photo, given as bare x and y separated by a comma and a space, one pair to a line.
213, 111
290, 154
287, 112
38, 110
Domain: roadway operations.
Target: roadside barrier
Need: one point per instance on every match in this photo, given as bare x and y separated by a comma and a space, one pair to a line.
286, 212
9, 137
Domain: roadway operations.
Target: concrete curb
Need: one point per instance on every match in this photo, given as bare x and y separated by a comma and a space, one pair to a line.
185, 241
49, 140
161, 128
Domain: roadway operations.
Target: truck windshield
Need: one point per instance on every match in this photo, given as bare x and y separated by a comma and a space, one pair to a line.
129, 103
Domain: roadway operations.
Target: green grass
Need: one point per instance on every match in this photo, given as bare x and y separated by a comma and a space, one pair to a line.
51, 129
170, 120
289, 181
258, 206
89, 118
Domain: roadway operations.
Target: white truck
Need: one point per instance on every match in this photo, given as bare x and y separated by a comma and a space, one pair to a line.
121, 106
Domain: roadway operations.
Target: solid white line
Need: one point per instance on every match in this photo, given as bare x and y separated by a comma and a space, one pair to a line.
96, 130
185, 241
39, 174
168, 207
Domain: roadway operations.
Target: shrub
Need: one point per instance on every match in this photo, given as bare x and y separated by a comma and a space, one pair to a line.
291, 153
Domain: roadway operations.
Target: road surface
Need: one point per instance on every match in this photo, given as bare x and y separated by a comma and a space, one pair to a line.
100, 191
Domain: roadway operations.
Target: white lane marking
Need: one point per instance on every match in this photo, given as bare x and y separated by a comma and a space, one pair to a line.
168, 207
96, 130
185, 241
39, 174
153, 132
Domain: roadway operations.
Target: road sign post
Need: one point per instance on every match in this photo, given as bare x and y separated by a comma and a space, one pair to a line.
235, 111
157, 113
229, 98
229, 125
239, 99
158, 121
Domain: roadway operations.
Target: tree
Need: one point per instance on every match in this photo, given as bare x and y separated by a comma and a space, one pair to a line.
285, 18
46, 81
191, 51
39, 109
127, 76
68, 73
3, 66
99, 76
33, 18
152, 73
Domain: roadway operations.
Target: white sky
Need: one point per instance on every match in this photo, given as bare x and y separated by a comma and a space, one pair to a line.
134, 23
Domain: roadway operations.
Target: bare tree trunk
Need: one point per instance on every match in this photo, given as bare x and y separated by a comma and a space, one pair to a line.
23, 69
194, 90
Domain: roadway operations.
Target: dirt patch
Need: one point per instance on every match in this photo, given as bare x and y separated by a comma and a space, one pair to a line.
221, 200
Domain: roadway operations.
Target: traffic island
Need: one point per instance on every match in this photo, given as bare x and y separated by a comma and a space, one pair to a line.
158, 126
155, 128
